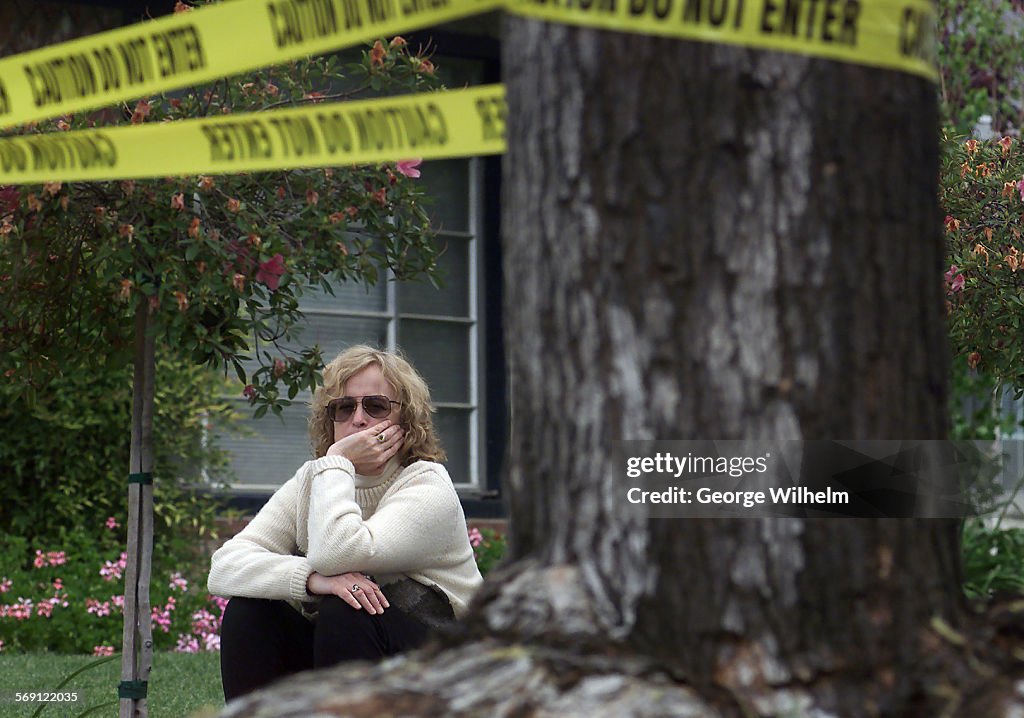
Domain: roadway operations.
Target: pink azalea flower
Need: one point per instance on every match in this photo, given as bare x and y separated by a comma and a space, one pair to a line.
475, 537
5, 585
410, 168
9, 198
112, 523
954, 280
271, 271
40, 560
44, 609
103, 650
56, 558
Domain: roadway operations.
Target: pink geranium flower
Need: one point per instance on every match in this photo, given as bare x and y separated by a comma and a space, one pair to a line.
96, 607
271, 271
178, 582
187, 644
111, 571
410, 168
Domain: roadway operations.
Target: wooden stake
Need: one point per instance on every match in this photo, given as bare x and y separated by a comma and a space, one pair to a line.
137, 651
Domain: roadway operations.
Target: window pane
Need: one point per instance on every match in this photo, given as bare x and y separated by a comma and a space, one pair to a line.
440, 351
446, 183
420, 297
348, 296
453, 426
273, 451
333, 334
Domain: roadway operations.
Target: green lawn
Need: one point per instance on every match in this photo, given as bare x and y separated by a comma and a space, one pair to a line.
181, 684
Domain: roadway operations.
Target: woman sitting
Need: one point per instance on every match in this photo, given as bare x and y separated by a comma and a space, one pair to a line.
362, 550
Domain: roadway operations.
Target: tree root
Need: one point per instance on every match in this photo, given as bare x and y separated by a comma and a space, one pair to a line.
974, 673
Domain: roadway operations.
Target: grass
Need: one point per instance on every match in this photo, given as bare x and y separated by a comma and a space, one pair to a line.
181, 684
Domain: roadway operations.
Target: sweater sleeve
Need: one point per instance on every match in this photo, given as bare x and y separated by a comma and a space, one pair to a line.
258, 562
413, 528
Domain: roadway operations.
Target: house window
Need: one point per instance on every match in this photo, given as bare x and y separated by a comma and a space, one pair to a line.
452, 334
439, 330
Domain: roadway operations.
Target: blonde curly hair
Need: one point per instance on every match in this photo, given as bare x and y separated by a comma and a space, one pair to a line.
421, 440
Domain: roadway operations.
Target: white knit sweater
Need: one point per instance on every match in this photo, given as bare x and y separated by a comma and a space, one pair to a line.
403, 523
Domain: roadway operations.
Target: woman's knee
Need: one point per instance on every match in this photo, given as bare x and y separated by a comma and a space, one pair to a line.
242, 611
249, 621
335, 611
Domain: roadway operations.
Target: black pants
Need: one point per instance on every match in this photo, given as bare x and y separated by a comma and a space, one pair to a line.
263, 640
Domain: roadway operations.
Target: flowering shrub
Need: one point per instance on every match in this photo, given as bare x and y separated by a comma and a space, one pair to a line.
982, 194
72, 599
217, 264
980, 61
488, 548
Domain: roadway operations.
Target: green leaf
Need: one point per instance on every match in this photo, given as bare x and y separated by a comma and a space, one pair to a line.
239, 370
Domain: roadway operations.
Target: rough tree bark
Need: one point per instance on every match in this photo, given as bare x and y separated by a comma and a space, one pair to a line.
704, 241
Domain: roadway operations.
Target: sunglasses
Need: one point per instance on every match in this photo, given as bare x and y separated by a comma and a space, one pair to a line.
375, 406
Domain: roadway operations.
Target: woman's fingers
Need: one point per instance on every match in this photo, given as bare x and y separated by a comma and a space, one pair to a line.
373, 597
368, 598
346, 594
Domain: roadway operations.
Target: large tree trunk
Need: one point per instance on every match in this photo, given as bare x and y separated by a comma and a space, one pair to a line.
708, 242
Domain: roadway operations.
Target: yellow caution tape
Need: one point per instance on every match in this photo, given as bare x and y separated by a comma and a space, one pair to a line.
457, 123
195, 47
892, 34
199, 46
